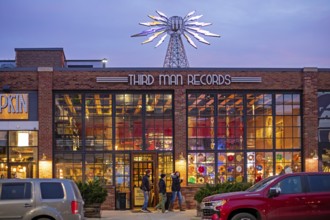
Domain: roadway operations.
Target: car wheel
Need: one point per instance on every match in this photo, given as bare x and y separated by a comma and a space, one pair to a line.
243, 216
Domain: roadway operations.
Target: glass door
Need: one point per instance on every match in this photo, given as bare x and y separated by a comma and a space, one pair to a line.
140, 163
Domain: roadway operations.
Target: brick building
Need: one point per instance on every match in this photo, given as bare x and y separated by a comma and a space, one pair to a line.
77, 119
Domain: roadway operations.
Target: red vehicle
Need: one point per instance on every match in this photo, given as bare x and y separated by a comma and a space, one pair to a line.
290, 196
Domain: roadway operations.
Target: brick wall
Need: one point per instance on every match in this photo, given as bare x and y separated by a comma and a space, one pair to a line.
45, 114
53, 57
110, 202
46, 82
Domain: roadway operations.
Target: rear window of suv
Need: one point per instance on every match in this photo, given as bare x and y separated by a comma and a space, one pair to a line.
51, 190
12, 191
319, 183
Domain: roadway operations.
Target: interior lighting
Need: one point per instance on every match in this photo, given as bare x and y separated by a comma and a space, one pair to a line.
23, 139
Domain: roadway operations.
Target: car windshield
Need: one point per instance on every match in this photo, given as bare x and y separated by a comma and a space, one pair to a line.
262, 184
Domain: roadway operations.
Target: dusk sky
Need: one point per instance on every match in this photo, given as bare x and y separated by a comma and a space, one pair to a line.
254, 33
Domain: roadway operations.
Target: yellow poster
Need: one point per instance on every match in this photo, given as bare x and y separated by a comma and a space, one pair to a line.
138, 196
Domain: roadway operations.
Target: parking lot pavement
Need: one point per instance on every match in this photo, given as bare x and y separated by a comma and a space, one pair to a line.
154, 215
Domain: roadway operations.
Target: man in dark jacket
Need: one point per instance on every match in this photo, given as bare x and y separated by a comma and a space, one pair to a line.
176, 190
162, 193
146, 187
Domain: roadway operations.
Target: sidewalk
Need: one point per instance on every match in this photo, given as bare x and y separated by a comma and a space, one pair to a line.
128, 214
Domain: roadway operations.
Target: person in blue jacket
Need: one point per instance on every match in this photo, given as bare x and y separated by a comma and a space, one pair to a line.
146, 187
176, 190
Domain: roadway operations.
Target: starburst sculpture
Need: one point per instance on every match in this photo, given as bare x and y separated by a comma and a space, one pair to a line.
175, 26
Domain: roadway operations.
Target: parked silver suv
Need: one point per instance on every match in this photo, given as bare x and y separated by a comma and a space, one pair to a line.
40, 199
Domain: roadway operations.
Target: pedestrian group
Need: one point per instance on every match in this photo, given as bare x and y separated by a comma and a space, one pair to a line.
176, 192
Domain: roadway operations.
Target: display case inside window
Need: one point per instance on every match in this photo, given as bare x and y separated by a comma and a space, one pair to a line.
68, 166
201, 168
99, 166
285, 160
230, 167
23, 154
259, 166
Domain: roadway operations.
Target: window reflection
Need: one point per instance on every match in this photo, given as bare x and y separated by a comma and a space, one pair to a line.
89, 127
228, 116
324, 129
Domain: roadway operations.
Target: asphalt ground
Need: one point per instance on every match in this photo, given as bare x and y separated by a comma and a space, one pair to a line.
154, 215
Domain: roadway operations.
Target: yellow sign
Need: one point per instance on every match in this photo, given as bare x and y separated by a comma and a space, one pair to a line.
14, 106
138, 196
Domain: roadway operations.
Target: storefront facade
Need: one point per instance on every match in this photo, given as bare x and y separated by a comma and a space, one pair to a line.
212, 125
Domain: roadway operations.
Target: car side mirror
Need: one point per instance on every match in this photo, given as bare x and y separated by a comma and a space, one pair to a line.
274, 191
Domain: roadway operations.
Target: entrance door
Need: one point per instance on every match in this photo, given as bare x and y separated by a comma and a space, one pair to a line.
141, 162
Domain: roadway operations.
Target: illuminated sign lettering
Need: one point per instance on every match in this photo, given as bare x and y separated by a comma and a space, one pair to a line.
179, 79
14, 106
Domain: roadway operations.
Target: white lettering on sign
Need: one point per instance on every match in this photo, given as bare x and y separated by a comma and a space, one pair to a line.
179, 80
208, 79
13, 103
166, 79
141, 79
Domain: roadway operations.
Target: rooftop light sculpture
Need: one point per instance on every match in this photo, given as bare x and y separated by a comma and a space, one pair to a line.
175, 26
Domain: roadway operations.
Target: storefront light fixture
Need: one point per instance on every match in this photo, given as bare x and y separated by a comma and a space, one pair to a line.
44, 157
181, 156
23, 139
314, 155
104, 62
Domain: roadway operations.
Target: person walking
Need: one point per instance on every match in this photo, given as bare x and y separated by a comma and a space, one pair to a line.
146, 187
162, 194
176, 191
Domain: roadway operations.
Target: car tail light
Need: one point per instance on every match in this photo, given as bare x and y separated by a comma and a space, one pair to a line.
74, 207
215, 217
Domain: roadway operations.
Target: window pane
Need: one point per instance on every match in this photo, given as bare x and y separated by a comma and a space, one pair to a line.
230, 167
51, 191
319, 183
201, 168
68, 122
10, 191
290, 185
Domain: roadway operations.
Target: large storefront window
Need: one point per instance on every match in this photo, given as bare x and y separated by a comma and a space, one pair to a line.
98, 120
68, 122
92, 130
68, 166
258, 135
324, 129
18, 154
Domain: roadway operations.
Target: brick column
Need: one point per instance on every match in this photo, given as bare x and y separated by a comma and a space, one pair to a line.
180, 133
45, 113
310, 118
